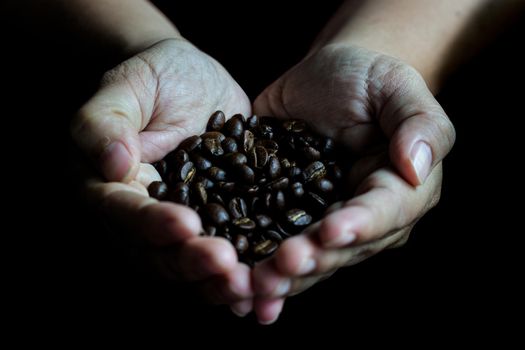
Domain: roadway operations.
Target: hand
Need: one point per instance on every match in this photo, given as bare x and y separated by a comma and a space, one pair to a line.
144, 108
380, 108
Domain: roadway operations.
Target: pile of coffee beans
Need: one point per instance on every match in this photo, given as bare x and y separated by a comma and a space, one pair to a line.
253, 181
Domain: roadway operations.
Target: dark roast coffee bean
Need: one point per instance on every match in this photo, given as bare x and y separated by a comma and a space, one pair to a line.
314, 171
328, 147
310, 154
265, 248
273, 167
234, 127
247, 140
241, 243
297, 189
158, 190
263, 221
238, 208
298, 217
316, 201
271, 146
215, 198
200, 194
200, 162
213, 135
229, 145
273, 235
213, 147
322, 186
162, 168
180, 193
210, 230
190, 143
265, 131
216, 121
296, 126
216, 214
208, 184
295, 173
278, 201
284, 233
226, 187
185, 173
236, 158
261, 157
253, 121
244, 224
246, 174
216, 174
279, 184
285, 163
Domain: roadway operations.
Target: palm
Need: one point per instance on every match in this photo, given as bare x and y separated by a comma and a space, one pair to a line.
177, 88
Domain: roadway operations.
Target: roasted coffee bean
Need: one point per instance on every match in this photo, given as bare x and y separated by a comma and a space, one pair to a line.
265, 131
316, 201
236, 158
328, 147
238, 208
278, 201
216, 121
185, 173
229, 145
190, 143
158, 190
253, 122
180, 193
336, 172
311, 154
265, 248
234, 127
216, 198
255, 204
162, 168
199, 190
208, 184
213, 135
314, 171
245, 224
213, 147
267, 198
263, 221
226, 235
226, 187
279, 184
261, 157
295, 173
273, 235
298, 217
297, 189
200, 162
246, 173
295, 126
216, 174
271, 146
285, 163
241, 244
273, 167
284, 233
322, 186
216, 214
247, 140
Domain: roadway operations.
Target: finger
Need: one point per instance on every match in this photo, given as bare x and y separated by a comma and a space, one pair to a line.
129, 208
268, 282
268, 310
106, 129
301, 284
266, 102
232, 286
200, 258
242, 308
385, 203
420, 132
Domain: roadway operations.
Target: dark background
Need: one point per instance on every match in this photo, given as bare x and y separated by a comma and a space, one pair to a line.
458, 263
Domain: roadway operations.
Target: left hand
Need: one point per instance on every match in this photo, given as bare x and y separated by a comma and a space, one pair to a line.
378, 107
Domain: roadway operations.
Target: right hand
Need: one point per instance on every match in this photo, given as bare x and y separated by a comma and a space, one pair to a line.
144, 108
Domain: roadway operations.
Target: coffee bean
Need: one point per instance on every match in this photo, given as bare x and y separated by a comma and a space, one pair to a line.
314, 171
295, 126
213, 147
311, 154
247, 140
328, 147
229, 145
216, 174
236, 158
213, 135
253, 121
246, 173
244, 224
263, 221
265, 131
216, 121
322, 186
298, 217
185, 173
234, 126
210, 230
273, 235
158, 190
162, 168
273, 167
226, 187
216, 214
279, 184
201, 196
241, 244
295, 173
190, 143
215, 198
297, 189
265, 248
200, 162
316, 201
238, 208
261, 157
278, 201
271, 146
180, 193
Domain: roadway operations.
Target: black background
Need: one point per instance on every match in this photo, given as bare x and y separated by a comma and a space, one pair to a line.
458, 263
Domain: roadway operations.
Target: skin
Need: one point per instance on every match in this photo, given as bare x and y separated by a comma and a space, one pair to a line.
368, 75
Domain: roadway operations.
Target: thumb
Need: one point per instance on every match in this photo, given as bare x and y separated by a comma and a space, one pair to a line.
419, 130
269, 102
106, 129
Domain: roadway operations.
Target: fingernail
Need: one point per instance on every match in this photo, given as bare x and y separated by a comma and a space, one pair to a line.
307, 266
345, 238
242, 308
115, 161
421, 157
268, 322
283, 287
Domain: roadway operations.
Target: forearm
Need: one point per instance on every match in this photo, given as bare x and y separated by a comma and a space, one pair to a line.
121, 27
433, 36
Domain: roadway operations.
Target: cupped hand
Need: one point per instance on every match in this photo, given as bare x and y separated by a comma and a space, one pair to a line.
381, 109
143, 109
